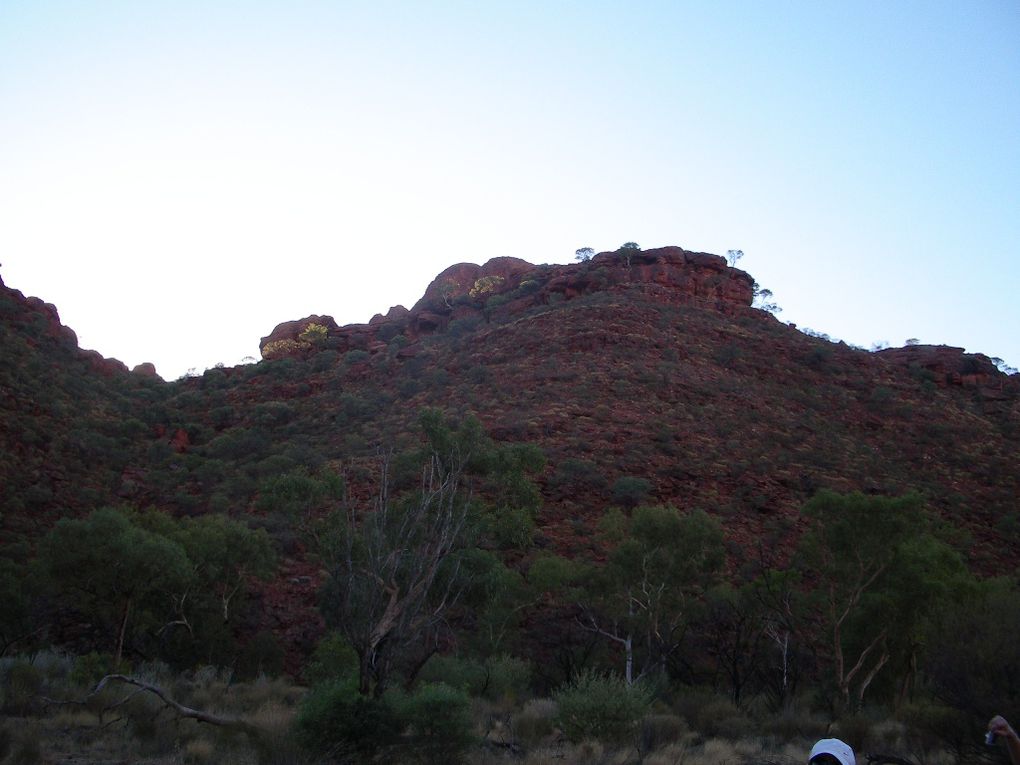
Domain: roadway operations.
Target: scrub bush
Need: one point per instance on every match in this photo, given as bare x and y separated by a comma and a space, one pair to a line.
337, 721
601, 707
535, 721
332, 661
440, 723
630, 491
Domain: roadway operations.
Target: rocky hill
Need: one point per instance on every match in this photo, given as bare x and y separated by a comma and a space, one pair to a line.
656, 366
644, 376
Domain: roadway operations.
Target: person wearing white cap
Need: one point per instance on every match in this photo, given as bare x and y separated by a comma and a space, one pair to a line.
831, 751
999, 728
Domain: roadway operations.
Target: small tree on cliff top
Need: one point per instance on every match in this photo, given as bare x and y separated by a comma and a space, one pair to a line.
627, 250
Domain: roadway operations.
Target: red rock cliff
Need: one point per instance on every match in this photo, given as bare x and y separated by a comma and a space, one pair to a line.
505, 286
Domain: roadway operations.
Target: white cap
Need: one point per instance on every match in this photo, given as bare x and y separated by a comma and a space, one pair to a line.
836, 748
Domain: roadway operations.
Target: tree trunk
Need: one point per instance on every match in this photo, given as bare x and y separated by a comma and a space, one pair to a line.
120, 638
628, 647
908, 680
867, 680
365, 672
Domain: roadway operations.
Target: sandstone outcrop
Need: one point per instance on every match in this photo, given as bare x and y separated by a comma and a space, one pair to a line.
52, 327
146, 369
504, 287
945, 364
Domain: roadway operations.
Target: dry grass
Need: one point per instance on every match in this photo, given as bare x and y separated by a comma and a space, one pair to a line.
199, 751
700, 729
533, 725
143, 731
274, 717
584, 753
717, 751
673, 754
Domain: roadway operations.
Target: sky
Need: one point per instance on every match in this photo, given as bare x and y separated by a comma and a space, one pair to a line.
180, 177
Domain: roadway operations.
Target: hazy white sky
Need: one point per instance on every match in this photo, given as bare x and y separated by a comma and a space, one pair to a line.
179, 177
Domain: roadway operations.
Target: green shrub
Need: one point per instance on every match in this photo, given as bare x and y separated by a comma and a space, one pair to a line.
332, 661
461, 327
880, 399
357, 408
508, 677
601, 707
408, 387
496, 678
463, 674
711, 714
527, 287
324, 360
440, 723
296, 493
389, 331
513, 527
239, 444
495, 301
272, 413
338, 721
219, 503
275, 464
436, 379
630, 491
478, 374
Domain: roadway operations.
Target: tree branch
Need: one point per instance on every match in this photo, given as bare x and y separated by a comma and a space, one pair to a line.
233, 723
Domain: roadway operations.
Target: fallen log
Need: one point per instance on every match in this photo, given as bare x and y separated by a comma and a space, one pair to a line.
232, 723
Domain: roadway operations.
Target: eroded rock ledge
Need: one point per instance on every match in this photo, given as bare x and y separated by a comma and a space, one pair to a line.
505, 287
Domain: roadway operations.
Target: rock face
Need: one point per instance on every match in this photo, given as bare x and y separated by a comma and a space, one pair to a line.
946, 365
506, 287
146, 369
65, 336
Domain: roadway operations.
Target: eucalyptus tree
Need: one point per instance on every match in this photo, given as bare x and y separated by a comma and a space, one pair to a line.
399, 563
877, 573
644, 597
114, 573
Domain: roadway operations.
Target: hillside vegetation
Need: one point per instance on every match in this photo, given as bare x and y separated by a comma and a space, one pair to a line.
606, 511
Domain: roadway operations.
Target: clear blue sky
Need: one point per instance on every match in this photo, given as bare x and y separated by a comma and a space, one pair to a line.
179, 177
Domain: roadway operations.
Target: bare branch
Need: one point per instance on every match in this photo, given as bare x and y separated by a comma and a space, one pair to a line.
233, 723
